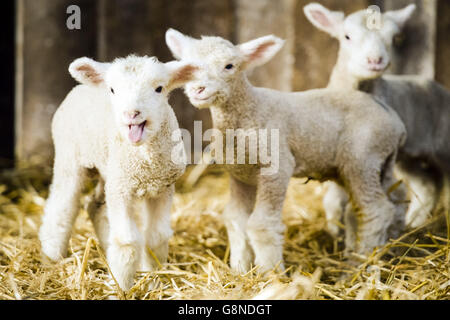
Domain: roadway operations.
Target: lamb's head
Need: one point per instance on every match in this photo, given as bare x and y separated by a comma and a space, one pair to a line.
138, 88
221, 64
366, 37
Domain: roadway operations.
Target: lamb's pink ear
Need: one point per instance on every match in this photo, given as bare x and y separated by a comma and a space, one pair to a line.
177, 43
324, 19
400, 17
258, 51
180, 73
88, 71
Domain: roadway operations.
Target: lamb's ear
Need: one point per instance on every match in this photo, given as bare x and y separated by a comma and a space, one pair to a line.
180, 73
88, 71
177, 43
400, 17
258, 51
324, 19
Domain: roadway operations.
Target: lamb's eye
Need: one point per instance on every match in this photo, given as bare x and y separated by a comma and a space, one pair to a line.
112, 90
159, 89
347, 37
229, 66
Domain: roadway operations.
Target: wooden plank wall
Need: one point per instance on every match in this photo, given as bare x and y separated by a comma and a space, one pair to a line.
43, 53
259, 18
112, 28
442, 65
416, 55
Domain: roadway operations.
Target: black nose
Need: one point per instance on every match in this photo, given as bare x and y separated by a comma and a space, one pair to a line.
136, 113
200, 90
375, 61
132, 115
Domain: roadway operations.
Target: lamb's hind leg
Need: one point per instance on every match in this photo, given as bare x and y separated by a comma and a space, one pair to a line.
374, 211
423, 185
235, 215
396, 192
61, 210
97, 212
334, 203
156, 229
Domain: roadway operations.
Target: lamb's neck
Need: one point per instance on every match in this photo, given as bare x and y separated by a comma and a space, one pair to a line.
242, 101
342, 79
160, 141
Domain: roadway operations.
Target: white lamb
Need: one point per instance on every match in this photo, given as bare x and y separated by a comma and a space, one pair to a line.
119, 124
422, 104
323, 134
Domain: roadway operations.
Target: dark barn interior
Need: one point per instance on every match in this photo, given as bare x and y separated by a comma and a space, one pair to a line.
7, 61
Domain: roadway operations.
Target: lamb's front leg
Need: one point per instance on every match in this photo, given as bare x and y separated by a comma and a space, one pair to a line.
265, 228
235, 216
156, 229
124, 240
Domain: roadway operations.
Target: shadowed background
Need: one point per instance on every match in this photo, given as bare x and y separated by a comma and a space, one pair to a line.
37, 48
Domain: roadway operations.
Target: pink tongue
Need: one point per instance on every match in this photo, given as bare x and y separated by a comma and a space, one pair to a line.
136, 131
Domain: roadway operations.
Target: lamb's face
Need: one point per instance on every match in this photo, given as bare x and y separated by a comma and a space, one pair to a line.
138, 88
138, 92
369, 51
220, 64
366, 40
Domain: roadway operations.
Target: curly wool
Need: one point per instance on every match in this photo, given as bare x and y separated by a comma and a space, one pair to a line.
422, 104
91, 131
342, 135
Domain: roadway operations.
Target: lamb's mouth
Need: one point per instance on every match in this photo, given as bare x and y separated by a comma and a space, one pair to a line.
203, 101
377, 69
136, 131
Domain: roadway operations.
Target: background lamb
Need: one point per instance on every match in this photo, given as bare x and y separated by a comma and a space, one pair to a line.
324, 134
119, 124
422, 104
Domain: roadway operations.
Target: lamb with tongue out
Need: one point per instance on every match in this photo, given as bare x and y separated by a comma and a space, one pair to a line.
136, 132
117, 123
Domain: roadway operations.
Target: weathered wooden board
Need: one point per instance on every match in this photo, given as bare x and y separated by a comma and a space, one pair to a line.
44, 49
263, 17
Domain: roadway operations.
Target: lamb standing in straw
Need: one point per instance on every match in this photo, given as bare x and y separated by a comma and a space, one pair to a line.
422, 104
119, 124
323, 134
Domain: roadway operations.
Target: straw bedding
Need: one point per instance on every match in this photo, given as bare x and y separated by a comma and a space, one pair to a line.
415, 266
